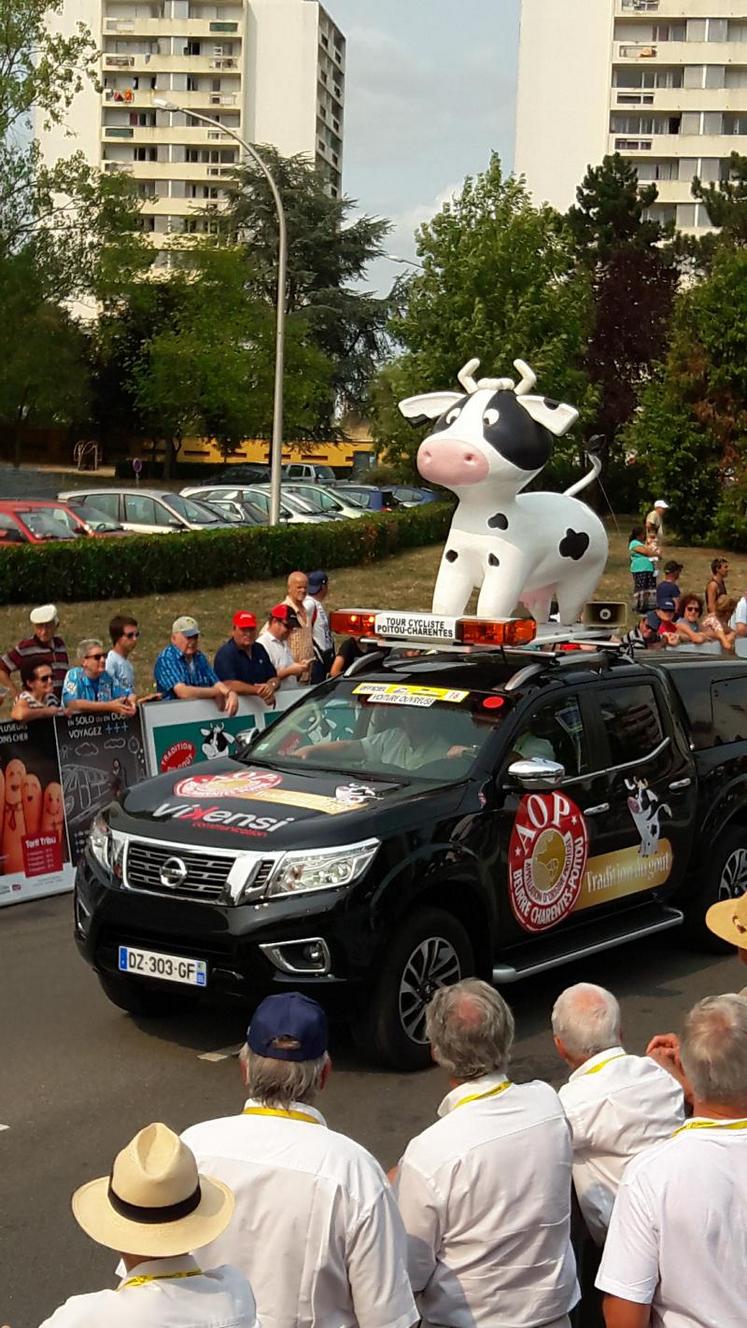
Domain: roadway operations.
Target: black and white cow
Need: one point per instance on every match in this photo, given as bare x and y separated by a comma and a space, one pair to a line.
488, 442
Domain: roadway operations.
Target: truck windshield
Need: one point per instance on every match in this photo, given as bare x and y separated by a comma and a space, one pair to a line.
383, 728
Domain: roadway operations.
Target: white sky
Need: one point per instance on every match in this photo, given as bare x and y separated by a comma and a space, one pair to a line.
430, 91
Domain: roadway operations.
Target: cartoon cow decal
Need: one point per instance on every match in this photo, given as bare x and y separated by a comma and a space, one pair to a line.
488, 442
216, 741
646, 810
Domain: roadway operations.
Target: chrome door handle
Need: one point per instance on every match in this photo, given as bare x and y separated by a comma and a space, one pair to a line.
681, 783
595, 811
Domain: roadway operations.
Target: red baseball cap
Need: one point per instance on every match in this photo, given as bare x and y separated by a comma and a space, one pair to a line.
285, 613
244, 619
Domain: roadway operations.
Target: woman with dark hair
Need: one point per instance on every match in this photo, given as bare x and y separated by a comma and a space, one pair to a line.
643, 569
688, 624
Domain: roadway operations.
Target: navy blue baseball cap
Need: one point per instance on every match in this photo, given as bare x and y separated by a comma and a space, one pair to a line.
288, 1015
316, 581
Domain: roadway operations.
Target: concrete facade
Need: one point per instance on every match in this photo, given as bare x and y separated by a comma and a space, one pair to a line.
273, 70
663, 82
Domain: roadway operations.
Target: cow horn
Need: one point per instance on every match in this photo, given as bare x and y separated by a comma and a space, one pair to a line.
528, 378
466, 378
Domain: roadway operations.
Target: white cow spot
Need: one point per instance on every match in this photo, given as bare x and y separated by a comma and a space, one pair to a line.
491, 417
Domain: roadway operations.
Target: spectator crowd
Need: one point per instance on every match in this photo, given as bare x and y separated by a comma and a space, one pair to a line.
618, 1201
293, 648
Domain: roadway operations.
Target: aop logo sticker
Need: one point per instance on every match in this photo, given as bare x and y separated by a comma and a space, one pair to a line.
241, 784
547, 858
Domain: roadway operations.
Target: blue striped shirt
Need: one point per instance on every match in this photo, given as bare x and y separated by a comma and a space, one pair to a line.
79, 687
173, 667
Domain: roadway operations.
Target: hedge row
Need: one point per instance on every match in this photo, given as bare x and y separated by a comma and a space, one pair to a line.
112, 568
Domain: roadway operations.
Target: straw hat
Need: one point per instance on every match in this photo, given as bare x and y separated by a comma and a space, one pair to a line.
728, 920
154, 1202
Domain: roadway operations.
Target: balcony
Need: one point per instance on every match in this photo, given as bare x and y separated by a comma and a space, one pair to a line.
117, 131
168, 27
681, 145
681, 53
153, 63
120, 61
192, 136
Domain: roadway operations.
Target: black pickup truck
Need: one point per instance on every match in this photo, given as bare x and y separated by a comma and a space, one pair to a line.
431, 814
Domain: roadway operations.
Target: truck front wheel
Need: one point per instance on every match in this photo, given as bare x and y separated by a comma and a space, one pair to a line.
430, 950
725, 878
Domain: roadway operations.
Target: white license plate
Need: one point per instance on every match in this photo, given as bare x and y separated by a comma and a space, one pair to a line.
169, 968
415, 626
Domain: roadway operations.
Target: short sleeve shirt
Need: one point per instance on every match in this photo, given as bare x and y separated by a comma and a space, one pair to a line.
252, 666
33, 704
678, 1238
121, 670
666, 591
279, 653
32, 650
79, 687
174, 1293
172, 667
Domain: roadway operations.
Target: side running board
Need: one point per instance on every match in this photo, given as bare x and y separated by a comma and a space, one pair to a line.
571, 946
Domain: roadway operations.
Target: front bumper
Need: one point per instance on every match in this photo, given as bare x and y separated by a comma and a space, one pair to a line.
250, 949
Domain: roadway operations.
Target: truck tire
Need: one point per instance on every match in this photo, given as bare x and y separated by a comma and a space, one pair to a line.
725, 877
430, 950
138, 998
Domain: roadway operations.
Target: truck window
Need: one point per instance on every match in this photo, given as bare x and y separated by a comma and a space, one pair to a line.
555, 733
632, 722
729, 701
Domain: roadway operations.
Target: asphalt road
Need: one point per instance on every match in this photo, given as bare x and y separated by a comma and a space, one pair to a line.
78, 1078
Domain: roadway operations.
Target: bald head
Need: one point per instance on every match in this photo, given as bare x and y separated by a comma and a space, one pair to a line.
298, 587
470, 1029
585, 1021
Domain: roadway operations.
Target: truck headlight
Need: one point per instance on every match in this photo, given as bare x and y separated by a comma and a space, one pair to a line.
100, 842
304, 870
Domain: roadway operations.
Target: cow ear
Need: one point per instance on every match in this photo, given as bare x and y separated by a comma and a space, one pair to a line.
429, 406
552, 415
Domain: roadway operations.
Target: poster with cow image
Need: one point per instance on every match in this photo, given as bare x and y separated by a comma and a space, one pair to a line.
180, 733
100, 755
35, 858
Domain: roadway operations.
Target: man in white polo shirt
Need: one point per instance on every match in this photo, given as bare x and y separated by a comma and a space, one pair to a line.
315, 1218
676, 1250
617, 1103
485, 1192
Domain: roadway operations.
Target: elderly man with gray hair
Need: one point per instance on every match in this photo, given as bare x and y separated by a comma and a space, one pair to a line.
88, 688
617, 1103
676, 1251
315, 1219
485, 1192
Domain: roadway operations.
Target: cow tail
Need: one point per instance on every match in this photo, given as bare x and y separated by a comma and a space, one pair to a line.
596, 470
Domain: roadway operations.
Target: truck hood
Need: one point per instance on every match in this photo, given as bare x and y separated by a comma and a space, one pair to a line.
249, 807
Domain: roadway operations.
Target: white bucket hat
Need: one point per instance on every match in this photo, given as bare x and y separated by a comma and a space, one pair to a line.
154, 1202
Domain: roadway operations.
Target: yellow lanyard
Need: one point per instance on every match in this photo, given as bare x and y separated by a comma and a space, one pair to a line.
279, 1111
596, 1068
160, 1277
477, 1097
711, 1125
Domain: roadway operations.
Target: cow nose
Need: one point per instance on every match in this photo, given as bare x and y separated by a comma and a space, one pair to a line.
450, 462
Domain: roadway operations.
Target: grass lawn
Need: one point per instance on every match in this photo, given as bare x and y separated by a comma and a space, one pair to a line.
404, 581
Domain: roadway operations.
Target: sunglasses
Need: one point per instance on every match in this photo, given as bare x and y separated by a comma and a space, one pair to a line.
691, 608
44, 677
99, 656
131, 636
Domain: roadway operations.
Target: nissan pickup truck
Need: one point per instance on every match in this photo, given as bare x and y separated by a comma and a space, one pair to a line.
436, 812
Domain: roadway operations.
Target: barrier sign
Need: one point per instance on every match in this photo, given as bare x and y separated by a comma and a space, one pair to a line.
178, 733
100, 755
35, 857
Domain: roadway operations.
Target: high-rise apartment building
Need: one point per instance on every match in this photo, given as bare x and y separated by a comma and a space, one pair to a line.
274, 70
662, 82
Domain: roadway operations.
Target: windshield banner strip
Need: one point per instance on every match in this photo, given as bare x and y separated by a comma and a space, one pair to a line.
401, 694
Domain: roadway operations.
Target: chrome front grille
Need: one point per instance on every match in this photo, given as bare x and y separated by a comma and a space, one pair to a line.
205, 875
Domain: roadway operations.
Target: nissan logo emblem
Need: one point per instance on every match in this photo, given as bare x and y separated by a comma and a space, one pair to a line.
173, 872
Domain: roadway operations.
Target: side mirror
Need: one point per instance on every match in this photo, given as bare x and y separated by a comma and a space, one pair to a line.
244, 741
537, 773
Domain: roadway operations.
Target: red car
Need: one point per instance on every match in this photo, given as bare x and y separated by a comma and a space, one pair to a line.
32, 521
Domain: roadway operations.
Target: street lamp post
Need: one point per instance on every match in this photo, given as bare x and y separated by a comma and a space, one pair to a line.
276, 446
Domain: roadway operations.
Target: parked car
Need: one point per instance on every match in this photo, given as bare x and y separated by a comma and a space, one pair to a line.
33, 521
240, 513
150, 511
97, 521
294, 511
241, 472
329, 502
303, 470
368, 496
304, 503
409, 497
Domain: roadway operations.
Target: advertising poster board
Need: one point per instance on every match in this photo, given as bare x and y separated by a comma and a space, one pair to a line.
99, 756
179, 733
35, 857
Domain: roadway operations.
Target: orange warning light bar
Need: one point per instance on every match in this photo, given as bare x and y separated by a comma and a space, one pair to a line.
353, 622
486, 632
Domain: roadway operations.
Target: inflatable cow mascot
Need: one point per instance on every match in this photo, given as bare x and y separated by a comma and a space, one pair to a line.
488, 442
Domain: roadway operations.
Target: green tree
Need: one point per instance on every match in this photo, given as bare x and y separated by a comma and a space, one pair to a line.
690, 435
327, 258
499, 282
726, 203
634, 280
